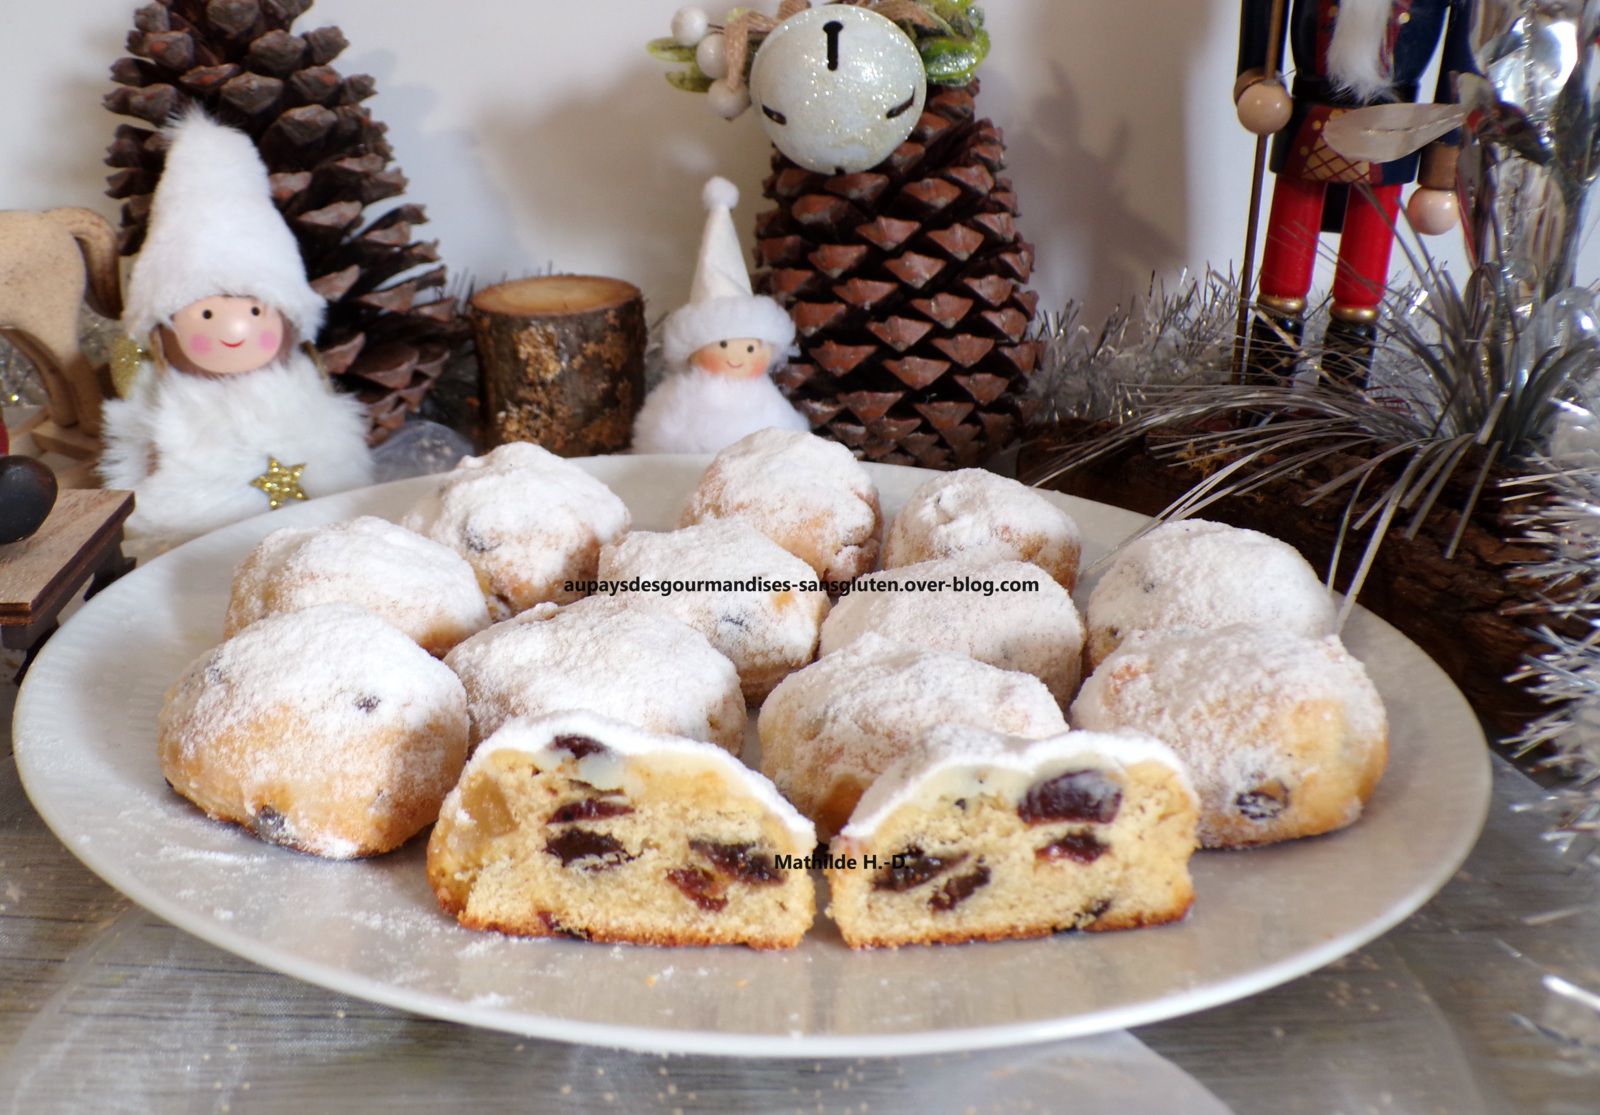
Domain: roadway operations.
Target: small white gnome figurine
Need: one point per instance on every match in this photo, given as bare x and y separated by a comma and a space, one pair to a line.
225, 412
718, 350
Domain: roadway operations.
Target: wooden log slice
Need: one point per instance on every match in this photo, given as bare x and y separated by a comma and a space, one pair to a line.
562, 358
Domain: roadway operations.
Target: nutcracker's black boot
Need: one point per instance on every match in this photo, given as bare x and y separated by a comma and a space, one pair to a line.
1347, 348
1275, 341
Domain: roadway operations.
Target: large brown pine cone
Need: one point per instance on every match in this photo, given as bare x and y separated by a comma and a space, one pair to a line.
390, 327
906, 283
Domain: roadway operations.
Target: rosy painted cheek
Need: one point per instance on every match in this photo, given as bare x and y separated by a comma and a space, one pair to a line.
198, 343
267, 340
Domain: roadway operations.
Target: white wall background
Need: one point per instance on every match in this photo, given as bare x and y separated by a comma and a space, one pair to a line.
540, 132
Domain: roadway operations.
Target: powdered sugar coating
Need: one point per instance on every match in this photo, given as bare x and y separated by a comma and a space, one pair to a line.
807, 494
983, 517
425, 589
1200, 574
333, 702
526, 520
536, 736
958, 761
600, 655
829, 730
1034, 631
766, 634
1239, 705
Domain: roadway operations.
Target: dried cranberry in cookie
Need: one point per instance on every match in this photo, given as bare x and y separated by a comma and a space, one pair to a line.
1206, 575
325, 730
984, 518
978, 836
527, 521
807, 494
581, 826
424, 588
1283, 735
1035, 630
828, 731
767, 629
602, 656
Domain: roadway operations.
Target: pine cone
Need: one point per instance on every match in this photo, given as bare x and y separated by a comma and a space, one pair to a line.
389, 327
906, 283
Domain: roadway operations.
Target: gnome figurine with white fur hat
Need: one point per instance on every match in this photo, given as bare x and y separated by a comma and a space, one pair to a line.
225, 412
719, 349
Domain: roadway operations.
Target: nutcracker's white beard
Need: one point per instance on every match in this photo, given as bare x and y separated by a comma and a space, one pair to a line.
1356, 58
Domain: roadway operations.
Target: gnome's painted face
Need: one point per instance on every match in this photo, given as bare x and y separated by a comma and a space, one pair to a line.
735, 358
838, 88
224, 335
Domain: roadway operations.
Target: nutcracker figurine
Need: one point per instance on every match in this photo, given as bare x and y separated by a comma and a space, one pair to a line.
1347, 54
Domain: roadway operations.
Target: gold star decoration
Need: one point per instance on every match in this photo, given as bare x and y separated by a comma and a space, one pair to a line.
127, 357
281, 482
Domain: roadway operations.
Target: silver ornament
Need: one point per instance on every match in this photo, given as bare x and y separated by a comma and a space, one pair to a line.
838, 88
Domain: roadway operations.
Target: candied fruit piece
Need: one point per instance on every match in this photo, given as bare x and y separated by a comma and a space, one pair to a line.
581, 846
1265, 802
959, 889
913, 867
482, 800
589, 809
1077, 795
1079, 847
555, 927
270, 825
741, 861
578, 746
700, 886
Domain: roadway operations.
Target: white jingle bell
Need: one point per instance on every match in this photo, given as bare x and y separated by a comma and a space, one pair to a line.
838, 88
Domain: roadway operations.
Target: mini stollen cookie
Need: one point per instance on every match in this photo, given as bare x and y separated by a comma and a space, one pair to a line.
601, 655
767, 626
829, 730
977, 836
527, 521
977, 515
1284, 736
425, 589
1206, 575
1031, 626
576, 825
324, 730
807, 494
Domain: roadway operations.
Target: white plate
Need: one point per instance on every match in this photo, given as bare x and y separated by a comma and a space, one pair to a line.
86, 749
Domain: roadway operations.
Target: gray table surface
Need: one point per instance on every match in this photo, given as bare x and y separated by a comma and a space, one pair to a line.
104, 1007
